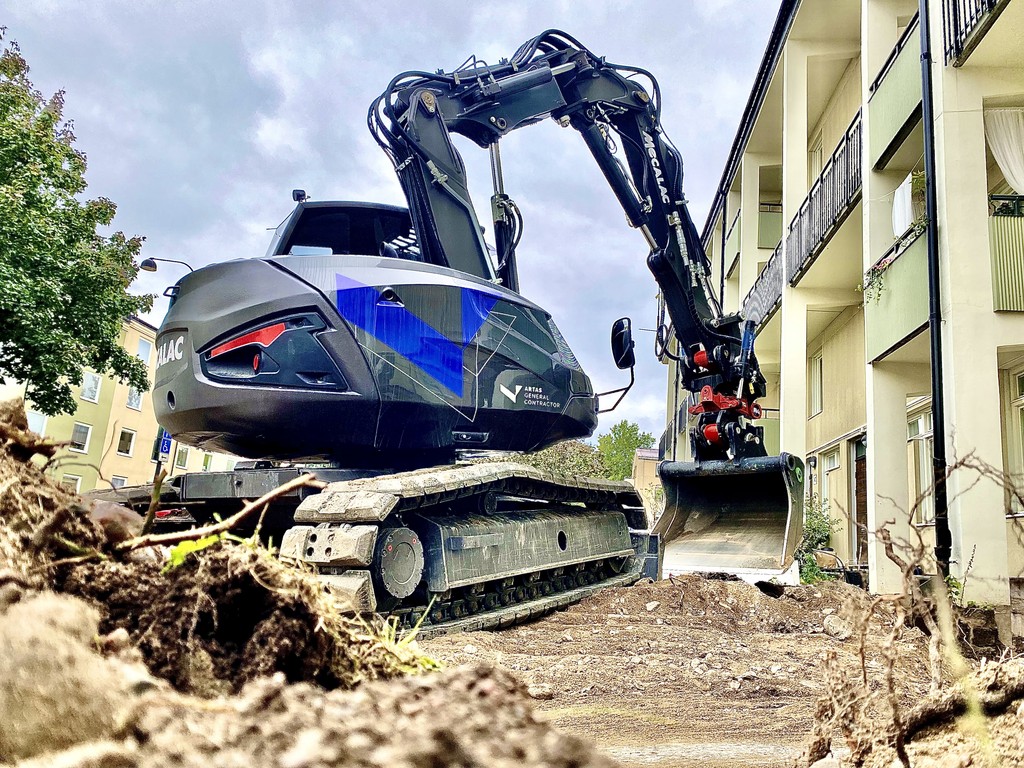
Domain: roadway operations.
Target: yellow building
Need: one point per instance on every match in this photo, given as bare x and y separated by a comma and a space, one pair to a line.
111, 435
645, 480
819, 234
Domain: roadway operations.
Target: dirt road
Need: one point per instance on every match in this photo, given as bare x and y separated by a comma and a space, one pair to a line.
691, 671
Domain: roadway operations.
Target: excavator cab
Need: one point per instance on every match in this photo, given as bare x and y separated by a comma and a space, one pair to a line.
741, 517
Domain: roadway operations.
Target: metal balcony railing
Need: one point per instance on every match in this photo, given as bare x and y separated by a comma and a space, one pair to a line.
665, 441
1006, 205
766, 293
832, 196
961, 19
906, 37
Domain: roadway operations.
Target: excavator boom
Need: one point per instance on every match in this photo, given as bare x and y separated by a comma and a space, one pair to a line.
732, 506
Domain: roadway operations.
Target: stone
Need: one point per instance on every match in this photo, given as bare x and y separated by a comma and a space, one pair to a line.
470, 649
541, 691
652, 605
837, 627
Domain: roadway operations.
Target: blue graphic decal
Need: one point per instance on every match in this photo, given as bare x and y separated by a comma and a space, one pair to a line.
410, 336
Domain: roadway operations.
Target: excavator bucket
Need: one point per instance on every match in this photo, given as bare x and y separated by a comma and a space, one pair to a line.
732, 516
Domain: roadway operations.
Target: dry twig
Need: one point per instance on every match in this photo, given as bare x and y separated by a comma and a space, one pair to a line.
157, 539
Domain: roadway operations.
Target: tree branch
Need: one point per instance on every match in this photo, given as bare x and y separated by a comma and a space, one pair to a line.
156, 539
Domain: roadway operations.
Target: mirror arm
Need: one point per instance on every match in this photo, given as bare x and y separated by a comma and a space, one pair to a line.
621, 392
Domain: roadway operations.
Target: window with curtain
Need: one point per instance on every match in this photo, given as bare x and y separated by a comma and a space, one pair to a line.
1004, 132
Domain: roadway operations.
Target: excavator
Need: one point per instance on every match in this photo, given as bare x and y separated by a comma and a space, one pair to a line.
378, 346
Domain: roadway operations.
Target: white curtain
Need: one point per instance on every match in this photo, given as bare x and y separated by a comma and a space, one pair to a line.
1004, 130
902, 207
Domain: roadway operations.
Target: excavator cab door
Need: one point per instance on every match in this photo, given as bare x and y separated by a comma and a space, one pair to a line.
732, 516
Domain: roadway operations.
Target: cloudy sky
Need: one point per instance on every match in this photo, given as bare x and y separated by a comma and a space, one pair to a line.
199, 118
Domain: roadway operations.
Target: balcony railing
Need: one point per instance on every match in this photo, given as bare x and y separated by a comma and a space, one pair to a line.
766, 292
1006, 242
964, 23
831, 198
907, 36
665, 441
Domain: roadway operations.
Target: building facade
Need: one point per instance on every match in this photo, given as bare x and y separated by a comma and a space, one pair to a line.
112, 434
818, 233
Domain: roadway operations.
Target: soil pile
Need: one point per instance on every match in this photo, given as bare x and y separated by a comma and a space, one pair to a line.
697, 671
107, 662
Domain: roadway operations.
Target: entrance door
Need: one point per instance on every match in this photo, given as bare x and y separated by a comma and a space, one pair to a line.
860, 502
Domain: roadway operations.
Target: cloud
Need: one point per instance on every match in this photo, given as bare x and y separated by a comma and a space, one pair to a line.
199, 119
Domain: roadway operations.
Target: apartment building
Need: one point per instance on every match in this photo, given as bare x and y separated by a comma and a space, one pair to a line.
817, 233
112, 434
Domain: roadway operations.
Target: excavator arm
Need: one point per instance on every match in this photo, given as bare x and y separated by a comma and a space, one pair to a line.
731, 480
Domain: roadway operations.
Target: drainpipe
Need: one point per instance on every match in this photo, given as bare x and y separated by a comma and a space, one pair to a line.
943, 537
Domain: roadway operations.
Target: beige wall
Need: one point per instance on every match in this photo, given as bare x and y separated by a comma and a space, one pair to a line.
842, 350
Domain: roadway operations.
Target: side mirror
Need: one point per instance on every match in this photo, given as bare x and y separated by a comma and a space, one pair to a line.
622, 344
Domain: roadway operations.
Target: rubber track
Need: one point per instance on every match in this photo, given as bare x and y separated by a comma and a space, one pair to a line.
375, 499
508, 616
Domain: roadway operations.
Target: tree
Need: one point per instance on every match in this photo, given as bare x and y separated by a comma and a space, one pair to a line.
63, 285
573, 457
618, 446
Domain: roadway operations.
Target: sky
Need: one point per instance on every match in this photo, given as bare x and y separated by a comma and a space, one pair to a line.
199, 118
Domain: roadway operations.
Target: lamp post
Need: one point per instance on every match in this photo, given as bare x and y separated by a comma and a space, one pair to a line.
149, 265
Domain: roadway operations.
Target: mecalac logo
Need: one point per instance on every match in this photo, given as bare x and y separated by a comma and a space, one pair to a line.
512, 395
659, 175
171, 350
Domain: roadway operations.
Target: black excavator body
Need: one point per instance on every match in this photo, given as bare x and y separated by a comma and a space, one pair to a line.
325, 352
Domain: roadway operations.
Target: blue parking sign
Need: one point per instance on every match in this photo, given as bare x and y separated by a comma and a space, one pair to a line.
165, 442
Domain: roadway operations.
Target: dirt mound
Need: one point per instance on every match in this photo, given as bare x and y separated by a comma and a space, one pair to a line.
697, 671
39, 521
470, 716
236, 613
64, 704
735, 606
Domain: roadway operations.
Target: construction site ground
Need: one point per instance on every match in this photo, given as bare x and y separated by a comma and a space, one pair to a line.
693, 671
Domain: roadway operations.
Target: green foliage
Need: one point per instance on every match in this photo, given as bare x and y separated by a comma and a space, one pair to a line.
180, 551
618, 447
572, 457
63, 286
818, 527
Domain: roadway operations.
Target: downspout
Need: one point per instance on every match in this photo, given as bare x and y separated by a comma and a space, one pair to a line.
943, 537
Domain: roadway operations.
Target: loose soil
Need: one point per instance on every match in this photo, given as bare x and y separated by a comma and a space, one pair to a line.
692, 671
235, 659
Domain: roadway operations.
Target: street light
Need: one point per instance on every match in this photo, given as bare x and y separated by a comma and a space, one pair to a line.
149, 265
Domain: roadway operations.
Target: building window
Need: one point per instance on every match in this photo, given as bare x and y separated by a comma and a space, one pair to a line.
118, 482
1015, 442
126, 442
71, 483
816, 393
36, 422
207, 461
134, 399
80, 435
181, 457
91, 387
919, 438
145, 350
829, 462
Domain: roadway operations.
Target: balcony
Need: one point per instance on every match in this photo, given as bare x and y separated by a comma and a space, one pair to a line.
766, 292
964, 24
830, 200
769, 224
896, 302
732, 243
1006, 243
894, 107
